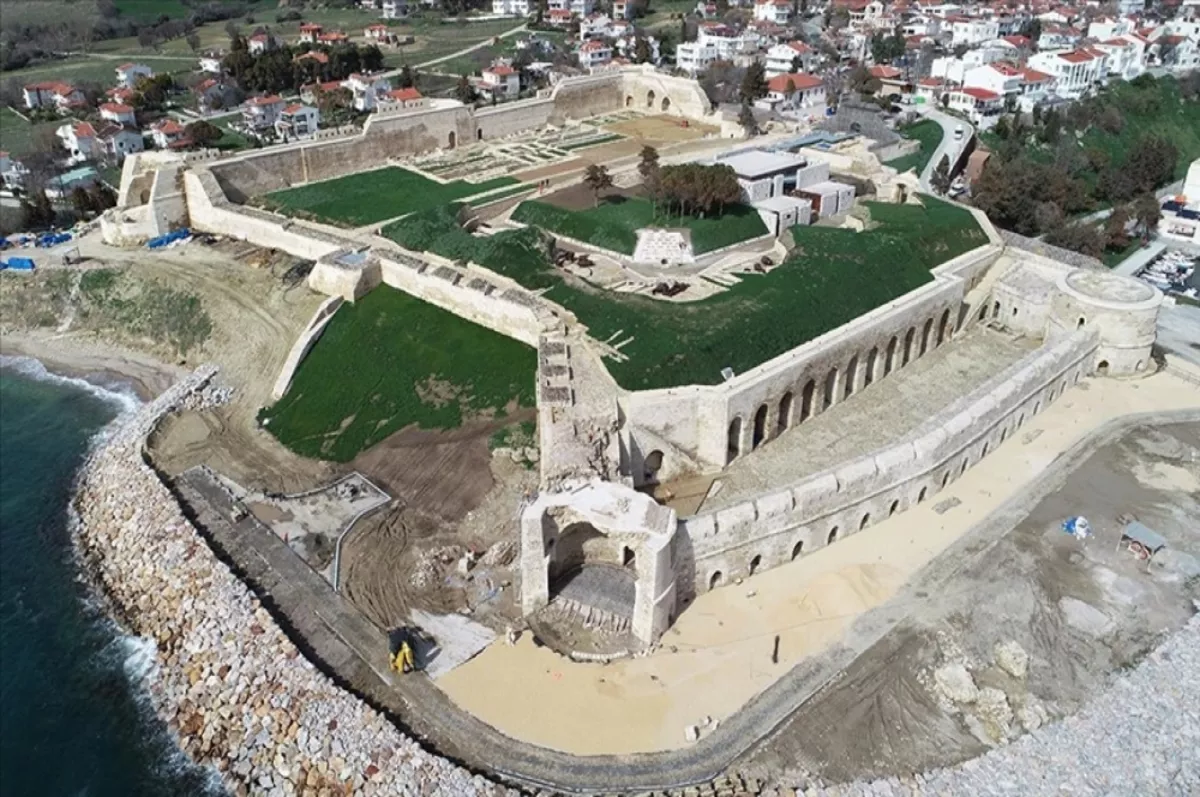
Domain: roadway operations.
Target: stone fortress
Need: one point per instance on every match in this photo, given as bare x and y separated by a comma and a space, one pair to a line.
1033, 327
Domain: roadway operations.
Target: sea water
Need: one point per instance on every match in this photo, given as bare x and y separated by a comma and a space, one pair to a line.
75, 718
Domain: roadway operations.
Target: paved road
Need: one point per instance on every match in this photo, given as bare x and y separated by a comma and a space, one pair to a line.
948, 146
465, 50
343, 643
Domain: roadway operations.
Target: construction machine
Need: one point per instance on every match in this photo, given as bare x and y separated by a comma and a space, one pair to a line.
403, 645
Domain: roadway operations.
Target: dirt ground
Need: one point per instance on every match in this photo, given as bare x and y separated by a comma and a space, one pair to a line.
666, 129
882, 717
580, 197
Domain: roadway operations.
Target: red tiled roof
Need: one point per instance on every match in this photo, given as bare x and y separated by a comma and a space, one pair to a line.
1034, 76
980, 94
295, 106
885, 72
313, 55
502, 70
1117, 43
116, 107
404, 95
799, 47
1076, 57
167, 127
126, 67
1017, 41
121, 93
1171, 40
931, 82
309, 26
1008, 70
84, 130
799, 80
271, 100
377, 26
205, 85
56, 86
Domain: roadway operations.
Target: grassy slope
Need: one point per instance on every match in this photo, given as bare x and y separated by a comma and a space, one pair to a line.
1175, 119
831, 278
929, 133
613, 224
389, 361
369, 197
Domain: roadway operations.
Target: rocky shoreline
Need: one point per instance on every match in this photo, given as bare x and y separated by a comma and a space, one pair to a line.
234, 689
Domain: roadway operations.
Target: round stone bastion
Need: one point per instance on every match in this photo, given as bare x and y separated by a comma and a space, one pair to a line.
1122, 310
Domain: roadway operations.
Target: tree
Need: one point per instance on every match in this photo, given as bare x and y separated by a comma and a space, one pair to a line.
1082, 238
81, 201
747, 121
1147, 212
193, 41
642, 53
1114, 229
464, 92
36, 211
941, 176
597, 179
946, 100
203, 133
648, 168
754, 83
407, 78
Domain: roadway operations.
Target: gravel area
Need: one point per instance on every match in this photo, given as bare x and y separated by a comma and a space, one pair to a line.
1141, 736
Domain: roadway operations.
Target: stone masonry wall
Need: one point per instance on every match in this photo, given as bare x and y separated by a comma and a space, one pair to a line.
238, 694
827, 506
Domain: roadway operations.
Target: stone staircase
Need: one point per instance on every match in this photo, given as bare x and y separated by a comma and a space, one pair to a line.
660, 246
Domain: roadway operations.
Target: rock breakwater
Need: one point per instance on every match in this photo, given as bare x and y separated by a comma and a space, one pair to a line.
239, 695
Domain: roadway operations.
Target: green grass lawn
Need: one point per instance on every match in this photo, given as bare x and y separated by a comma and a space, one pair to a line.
613, 224
368, 197
98, 70
929, 134
832, 277
389, 361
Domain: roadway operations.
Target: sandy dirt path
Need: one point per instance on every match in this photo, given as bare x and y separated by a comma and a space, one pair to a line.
718, 655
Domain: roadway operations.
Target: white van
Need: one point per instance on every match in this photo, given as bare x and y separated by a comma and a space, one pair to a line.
958, 133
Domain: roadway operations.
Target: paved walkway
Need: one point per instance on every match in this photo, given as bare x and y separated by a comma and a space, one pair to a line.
333, 633
948, 146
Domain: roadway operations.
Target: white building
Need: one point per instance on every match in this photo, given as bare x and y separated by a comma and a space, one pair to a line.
116, 141
795, 90
778, 12
79, 140
511, 8
166, 133
622, 9
259, 113
52, 94
594, 26
1126, 56
211, 63
260, 43
366, 89
1075, 72
781, 58
118, 112
395, 9
981, 106
580, 8
594, 53
402, 98
129, 74
501, 81
1058, 37
1181, 213
967, 31
694, 57
1108, 27
1000, 78
763, 175
297, 121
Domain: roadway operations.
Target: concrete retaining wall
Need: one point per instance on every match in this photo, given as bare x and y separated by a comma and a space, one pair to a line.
775, 528
304, 344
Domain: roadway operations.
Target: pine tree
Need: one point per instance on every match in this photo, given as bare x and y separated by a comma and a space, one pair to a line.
941, 176
754, 83
598, 179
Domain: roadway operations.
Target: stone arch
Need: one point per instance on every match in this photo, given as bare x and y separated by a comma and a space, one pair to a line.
1102, 368
650, 98
983, 451
866, 519
1037, 407
651, 465
996, 310
892, 509
831, 538
628, 101
760, 427
830, 392
734, 448
666, 104
1140, 365
945, 479
872, 359
1015, 311
921, 495
906, 355
851, 375
797, 549
983, 312
943, 326
575, 546
1003, 434
785, 412
479, 134
965, 464
926, 335
628, 557
451, 140
889, 362
1080, 323
752, 568
806, 400
714, 580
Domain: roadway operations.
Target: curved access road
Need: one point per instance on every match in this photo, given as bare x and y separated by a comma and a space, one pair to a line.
948, 146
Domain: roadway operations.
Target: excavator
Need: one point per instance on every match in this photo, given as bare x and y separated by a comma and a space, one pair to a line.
402, 647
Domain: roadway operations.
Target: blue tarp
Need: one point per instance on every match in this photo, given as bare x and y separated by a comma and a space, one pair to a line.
19, 263
53, 239
163, 240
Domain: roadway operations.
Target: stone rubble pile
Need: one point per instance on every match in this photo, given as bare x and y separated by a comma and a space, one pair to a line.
1140, 736
238, 694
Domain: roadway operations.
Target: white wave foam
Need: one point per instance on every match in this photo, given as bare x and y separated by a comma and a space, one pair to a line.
140, 661
122, 396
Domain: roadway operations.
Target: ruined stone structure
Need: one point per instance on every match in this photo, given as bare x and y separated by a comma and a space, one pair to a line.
600, 443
